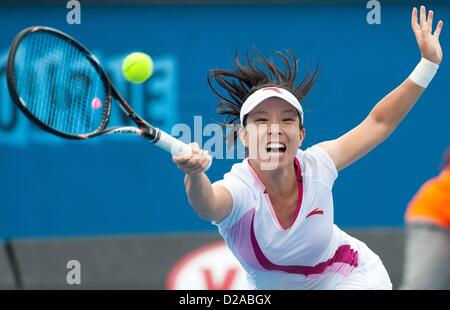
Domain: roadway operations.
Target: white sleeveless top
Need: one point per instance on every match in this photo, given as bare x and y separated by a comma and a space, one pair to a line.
313, 253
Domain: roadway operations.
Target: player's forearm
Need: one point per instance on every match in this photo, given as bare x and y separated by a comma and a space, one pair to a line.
200, 194
391, 110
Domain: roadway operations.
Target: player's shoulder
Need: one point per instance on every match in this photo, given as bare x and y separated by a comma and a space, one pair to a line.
314, 161
240, 171
239, 177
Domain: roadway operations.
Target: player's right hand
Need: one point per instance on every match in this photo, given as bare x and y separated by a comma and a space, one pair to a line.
193, 163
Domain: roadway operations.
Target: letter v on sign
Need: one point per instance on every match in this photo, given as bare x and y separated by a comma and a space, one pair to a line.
225, 284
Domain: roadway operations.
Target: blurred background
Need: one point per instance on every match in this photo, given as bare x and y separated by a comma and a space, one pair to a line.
117, 205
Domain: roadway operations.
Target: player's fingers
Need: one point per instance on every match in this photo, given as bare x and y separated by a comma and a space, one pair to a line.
188, 167
430, 19
193, 163
204, 160
439, 26
188, 163
423, 20
196, 166
414, 23
199, 160
193, 167
195, 148
179, 159
195, 160
196, 151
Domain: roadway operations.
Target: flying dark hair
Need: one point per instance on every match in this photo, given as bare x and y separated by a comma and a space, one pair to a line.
259, 72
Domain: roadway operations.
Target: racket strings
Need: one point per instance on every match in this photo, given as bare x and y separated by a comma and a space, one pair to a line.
59, 85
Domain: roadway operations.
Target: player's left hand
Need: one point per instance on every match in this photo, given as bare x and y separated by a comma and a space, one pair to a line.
429, 45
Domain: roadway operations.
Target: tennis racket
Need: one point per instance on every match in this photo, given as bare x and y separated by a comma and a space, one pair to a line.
60, 85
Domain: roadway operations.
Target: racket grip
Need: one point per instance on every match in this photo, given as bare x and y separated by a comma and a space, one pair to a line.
175, 146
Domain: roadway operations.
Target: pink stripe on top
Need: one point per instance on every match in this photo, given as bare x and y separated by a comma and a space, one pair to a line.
242, 233
298, 171
344, 255
241, 237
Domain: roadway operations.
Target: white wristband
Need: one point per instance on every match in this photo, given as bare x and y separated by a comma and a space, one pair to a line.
424, 72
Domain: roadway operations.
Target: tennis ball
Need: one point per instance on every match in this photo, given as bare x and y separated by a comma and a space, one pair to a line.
137, 67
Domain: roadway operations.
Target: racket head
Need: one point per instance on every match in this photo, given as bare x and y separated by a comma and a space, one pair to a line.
58, 84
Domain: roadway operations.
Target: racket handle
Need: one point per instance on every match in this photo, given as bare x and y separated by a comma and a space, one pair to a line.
175, 146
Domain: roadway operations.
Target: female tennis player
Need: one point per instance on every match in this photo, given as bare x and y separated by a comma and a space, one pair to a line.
275, 208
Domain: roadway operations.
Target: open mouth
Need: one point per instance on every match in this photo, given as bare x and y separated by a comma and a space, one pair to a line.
275, 148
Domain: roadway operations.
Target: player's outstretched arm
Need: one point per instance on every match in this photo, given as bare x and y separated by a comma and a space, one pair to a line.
389, 112
210, 202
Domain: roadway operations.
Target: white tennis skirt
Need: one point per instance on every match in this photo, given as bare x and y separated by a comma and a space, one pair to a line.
369, 275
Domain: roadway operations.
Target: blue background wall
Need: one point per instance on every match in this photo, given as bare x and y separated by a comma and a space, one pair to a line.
53, 187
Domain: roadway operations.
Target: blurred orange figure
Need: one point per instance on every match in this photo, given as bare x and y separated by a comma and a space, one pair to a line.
427, 253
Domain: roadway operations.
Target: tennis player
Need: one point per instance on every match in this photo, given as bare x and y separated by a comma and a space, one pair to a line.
277, 219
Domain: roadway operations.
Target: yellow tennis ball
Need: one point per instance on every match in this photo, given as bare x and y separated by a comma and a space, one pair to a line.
137, 67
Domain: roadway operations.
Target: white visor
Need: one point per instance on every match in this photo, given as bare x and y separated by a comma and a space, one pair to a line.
269, 92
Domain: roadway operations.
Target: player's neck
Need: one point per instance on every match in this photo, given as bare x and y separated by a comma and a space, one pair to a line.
278, 182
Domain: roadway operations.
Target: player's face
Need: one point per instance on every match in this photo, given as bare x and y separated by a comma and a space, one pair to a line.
272, 134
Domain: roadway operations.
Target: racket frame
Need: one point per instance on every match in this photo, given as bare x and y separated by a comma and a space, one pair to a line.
151, 133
